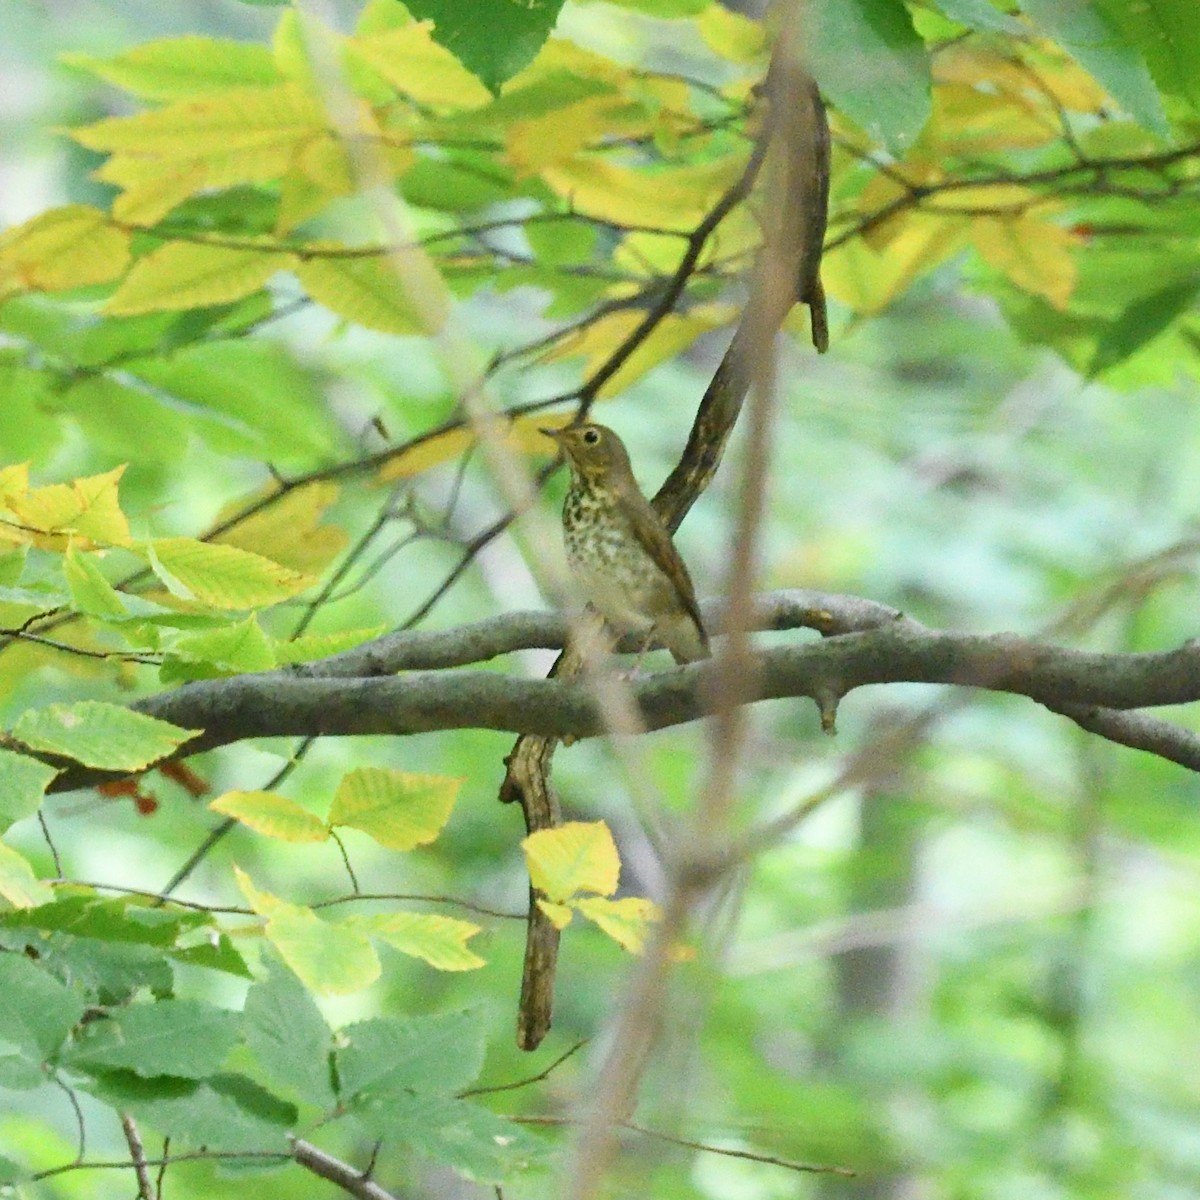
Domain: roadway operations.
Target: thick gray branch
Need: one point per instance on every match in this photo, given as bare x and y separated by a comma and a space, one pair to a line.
331, 699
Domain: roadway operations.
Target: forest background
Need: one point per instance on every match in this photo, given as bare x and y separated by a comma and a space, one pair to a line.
286, 293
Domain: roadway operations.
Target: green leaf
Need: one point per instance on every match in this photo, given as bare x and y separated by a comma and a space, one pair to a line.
474, 1141
273, 815
23, 784
289, 1037
221, 576
91, 593
227, 650
216, 953
1141, 323
1168, 35
36, 1010
1086, 33
980, 14
18, 884
398, 809
390, 1056
172, 68
439, 941
873, 65
223, 1112
311, 646
172, 1037
493, 39
101, 735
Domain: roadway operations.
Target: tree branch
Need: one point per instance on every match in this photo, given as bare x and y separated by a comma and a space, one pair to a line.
877, 645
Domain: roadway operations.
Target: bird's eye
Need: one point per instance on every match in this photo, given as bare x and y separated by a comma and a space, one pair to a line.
591, 436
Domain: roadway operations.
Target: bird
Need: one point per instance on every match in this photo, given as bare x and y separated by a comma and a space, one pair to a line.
619, 550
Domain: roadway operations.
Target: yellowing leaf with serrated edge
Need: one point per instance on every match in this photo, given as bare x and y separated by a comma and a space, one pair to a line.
288, 529
398, 809
399, 292
1035, 255
672, 335
242, 118
627, 921
868, 282
87, 507
576, 857
273, 815
416, 66
221, 576
183, 275
432, 452
439, 941
329, 959
70, 247
676, 198
18, 884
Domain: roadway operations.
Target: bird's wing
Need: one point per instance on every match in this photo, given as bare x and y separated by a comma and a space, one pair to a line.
656, 541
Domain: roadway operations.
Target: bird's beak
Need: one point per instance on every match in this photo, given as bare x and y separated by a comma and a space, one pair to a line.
555, 435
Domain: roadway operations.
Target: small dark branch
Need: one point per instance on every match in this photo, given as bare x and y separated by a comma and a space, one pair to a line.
337, 1172
58, 868
137, 1152
345, 860
531, 1079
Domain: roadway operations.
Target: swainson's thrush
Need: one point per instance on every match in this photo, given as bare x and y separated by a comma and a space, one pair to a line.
619, 550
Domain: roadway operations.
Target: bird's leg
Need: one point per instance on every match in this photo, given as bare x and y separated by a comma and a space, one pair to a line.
634, 672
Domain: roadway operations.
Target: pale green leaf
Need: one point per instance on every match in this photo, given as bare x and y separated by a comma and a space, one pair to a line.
184, 275
23, 783
18, 884
627, 920
222, 576
273, 815
101, 735
399, 293
329, 959
398, 809
440, 941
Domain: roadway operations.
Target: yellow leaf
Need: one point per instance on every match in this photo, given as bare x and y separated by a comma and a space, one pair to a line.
674, 333
626, 921
70, 247
439, 941
1034, 254
400, 292
560, 914
398, 809
886, 189
520, 436
559, 134
88, 508
732, 35
217, 122
576, 857
288, 529
431, 452
273, 815
984, 198
673, 199
868, 282
966, 120
221, 576
416, 66
330, 959
14, 481
183, 275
